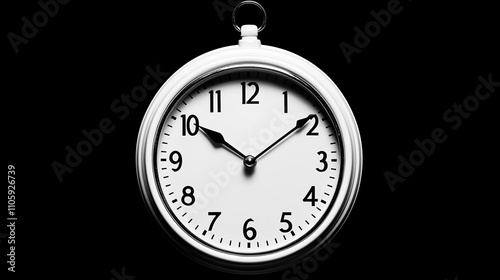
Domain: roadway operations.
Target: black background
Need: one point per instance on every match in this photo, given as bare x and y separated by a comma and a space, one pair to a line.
438, 224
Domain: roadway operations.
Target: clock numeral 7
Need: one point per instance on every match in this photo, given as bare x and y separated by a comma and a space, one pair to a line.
216, 216
244, 93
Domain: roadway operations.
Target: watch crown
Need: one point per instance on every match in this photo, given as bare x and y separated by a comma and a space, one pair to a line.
249, 36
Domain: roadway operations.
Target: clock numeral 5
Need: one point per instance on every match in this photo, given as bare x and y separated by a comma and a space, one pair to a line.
244, 95
247, 230
188, 123
284, 220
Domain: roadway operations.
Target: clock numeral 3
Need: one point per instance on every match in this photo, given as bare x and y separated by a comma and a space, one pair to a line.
188, 196
212, 102
244, 95
188, 123
311, 196
323, 160
283, 220
247, 230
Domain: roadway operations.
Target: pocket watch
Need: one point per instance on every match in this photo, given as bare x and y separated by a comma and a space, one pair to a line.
249, 157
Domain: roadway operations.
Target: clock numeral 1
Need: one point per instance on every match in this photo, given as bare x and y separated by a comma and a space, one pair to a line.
212, 103
188, 196
187, 125
247, 230
244, 95
311, 196
284, 220
285, 101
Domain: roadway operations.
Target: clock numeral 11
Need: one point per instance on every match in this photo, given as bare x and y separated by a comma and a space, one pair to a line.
215, 94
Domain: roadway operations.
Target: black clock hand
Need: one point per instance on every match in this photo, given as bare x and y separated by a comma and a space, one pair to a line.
217, 138
300, 123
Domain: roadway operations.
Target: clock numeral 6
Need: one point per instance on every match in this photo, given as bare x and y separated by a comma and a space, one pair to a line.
188, 123
247, 230
311, 196
188, 196
284, 220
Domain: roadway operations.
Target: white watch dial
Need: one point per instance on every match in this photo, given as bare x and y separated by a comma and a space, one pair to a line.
285, 190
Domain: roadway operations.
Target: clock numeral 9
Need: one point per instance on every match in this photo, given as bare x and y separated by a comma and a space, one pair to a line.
311, 196
244, 93
283, 220
188, 196
187, 125
247, 230
176, 158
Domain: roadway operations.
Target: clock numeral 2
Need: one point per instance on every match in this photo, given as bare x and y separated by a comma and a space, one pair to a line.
212, 102
244, 95
311, 132
187, 125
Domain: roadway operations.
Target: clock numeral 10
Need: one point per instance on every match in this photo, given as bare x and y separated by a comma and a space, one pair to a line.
244, 93
187, 125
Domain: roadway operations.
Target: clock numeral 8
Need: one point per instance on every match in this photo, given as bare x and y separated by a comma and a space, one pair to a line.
188, 192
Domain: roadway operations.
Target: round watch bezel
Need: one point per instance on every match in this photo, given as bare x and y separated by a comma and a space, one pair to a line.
262, 58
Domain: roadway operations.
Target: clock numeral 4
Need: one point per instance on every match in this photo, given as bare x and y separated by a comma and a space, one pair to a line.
188, 122
249, 232
188, 196
244, 93
311, 196
213, 103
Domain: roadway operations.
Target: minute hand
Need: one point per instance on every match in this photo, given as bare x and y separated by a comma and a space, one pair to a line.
300, 123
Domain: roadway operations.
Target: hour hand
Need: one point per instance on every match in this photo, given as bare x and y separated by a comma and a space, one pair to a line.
217, 138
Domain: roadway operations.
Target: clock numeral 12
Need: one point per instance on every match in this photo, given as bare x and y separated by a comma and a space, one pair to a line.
244, 93
212, 103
